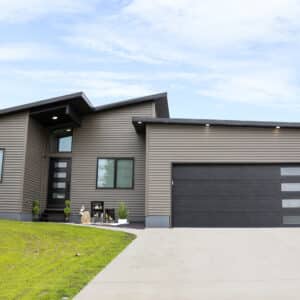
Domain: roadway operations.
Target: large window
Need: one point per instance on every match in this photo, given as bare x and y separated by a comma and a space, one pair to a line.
115, 173
1, 164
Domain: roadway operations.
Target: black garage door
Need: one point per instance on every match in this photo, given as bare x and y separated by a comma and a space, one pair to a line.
235, 195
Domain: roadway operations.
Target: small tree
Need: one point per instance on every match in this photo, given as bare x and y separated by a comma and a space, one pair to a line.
36, 210
67, 210
122, 211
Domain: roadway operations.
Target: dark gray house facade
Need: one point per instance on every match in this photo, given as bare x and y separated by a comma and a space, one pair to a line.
169, 172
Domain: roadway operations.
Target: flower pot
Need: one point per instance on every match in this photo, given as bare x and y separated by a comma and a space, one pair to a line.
122, 221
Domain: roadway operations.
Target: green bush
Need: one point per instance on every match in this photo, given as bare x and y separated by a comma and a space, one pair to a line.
122, 211
36, 208
67, 209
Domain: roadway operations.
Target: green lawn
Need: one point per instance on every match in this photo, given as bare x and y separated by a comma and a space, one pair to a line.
50, 261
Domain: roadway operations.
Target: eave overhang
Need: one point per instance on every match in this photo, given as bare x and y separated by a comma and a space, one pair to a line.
141, 122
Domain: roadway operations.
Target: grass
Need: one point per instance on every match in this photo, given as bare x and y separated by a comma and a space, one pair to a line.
52, 261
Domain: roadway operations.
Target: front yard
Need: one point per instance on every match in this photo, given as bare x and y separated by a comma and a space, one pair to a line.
52, 261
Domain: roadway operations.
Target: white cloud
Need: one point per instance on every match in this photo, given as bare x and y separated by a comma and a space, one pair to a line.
25, 52
95, 84
14, 11
184, 30
260, 87
216, 22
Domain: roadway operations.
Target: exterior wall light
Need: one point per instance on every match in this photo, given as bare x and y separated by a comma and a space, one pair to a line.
54, 117
207, 125
277, 127
140, 122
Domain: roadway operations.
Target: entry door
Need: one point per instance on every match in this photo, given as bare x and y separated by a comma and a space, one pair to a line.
59, 182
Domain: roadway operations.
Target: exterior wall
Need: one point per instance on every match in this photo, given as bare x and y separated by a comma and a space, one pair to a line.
109, 134
13, 133
167, 144
35, 166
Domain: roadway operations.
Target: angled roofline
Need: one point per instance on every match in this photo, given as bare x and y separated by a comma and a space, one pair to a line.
160, 99
39, 103
140, 122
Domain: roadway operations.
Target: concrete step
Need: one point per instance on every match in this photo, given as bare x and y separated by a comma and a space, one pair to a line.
53, 215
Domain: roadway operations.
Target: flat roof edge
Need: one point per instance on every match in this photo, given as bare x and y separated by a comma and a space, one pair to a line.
140, 121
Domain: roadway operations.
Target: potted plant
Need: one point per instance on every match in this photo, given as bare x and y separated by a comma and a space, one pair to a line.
35, 210
67, 210
122, 213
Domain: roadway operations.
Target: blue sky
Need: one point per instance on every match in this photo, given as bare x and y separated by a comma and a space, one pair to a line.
220, 59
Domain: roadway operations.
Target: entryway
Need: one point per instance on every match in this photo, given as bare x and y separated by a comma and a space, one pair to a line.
59, 182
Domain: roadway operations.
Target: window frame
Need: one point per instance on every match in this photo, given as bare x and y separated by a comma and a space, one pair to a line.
116, 159
2, 167
64, 136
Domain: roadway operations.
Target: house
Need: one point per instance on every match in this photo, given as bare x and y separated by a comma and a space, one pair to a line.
169, 172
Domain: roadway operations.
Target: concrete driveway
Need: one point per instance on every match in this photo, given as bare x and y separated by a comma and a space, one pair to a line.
205, 264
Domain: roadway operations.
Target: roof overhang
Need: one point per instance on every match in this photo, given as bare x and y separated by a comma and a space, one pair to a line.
57, 116
56, 112
140, 123
70, 108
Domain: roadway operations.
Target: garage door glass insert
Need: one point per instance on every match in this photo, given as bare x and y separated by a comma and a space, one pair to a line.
290, 188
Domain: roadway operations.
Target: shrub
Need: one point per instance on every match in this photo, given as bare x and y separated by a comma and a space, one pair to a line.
122, 211
67, 209
36, 208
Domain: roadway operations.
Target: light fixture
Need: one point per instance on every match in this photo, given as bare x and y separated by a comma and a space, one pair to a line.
68, 130
140, 122
54, 117
277, 127
207, 125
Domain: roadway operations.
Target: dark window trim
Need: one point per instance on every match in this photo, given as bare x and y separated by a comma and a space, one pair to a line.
63, 136
2, 169
115, 159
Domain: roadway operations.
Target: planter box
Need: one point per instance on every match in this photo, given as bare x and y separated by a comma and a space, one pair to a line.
123, 221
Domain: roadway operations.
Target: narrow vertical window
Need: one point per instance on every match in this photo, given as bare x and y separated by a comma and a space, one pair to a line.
124, 174
106, 173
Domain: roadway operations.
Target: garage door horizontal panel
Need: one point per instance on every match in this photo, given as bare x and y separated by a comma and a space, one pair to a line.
225, 188
233, 204
228, 219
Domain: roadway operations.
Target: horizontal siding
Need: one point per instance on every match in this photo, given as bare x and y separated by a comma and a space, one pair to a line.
109, 134
167, 144
12, 139
35, 165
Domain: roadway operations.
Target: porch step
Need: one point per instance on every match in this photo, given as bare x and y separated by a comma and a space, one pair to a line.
53, 215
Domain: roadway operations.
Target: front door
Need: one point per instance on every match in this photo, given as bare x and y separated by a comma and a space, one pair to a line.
59, 182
